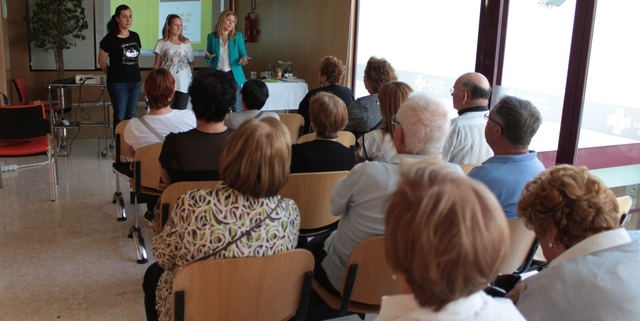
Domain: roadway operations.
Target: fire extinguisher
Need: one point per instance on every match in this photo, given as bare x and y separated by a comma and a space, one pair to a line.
248, 28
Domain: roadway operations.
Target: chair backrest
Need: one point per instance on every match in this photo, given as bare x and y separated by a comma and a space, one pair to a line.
347, 138
519, 245
172, 192
374, 277
21, 88
23, 121
466, 168
124, 152
624, 205
344, 137
147, 157
295, 124
253, 288
5, 99
312, 194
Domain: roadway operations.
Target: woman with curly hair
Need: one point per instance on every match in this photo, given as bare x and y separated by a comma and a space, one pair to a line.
593, 264
331, 73
364, 112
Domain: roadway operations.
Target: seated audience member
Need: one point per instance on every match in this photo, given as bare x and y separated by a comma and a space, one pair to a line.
466, 143
205, 222
161, 119
420, 128
193, 155
593, 269
445, 238
331, 73
377, 145
511, 124
324, 154
364, 112
254, 94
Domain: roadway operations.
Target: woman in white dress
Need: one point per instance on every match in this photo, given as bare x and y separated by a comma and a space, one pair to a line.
377, 144
175, 53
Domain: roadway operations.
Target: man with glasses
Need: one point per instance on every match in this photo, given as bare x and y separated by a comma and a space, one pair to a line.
510, 126
466, 143
420, 129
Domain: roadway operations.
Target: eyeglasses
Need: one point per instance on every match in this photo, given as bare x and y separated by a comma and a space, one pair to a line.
394, 121
451, 90
486, 116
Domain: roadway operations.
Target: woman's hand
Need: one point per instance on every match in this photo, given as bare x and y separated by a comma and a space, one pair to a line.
244, 60
208, 55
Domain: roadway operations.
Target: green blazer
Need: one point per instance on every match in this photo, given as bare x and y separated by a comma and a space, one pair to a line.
236, 51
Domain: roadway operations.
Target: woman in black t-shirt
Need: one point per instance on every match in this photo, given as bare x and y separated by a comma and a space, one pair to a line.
122, 47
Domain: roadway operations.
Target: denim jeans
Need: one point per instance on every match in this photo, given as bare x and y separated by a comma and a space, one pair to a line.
238, 105
124, 100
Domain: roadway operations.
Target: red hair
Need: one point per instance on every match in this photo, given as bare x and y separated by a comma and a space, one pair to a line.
159, 87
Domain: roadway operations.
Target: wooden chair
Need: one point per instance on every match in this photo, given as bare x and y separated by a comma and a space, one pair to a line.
624, 205
466, 168
367, 278
253, 288
295, 124
145, 186
122, 159
312, 194
520, 246
172, 192
24, 132
344, 137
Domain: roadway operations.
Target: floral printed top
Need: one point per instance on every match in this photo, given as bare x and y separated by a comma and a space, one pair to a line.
208, 219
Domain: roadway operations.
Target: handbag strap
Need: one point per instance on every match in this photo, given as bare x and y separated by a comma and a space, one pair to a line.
364, 148
247, 232
259, 114
151, 129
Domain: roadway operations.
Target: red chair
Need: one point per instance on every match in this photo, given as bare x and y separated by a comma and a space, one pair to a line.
24, 132
23, 94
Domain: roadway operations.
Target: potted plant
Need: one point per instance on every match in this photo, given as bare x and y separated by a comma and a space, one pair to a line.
55, 25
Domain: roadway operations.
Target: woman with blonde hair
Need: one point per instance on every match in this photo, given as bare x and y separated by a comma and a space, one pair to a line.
331, 73
378, 145
593, 263
175, 53
324, 154
244, 216
226, 51
445, 238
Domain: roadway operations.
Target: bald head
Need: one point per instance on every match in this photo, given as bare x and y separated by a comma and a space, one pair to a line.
470, 90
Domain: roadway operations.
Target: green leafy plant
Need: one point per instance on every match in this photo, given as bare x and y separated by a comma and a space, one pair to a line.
55, 25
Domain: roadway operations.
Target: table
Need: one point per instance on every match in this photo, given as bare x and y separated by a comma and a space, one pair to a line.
59, 129
285, 95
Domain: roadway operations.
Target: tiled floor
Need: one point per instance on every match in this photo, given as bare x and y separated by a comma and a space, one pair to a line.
69, 259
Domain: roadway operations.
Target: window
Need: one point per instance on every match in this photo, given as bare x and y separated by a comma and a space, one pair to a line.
429, 43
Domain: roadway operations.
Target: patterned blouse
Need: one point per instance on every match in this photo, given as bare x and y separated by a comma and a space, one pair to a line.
208, 219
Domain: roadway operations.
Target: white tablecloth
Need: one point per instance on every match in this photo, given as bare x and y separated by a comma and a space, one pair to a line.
285, 95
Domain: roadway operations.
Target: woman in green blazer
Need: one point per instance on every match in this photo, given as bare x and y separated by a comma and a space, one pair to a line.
226, 52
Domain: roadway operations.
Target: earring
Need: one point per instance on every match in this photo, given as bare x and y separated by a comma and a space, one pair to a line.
394, 277
552, 245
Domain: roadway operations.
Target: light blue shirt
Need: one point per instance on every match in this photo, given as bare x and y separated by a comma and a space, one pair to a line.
506, 175
361, 199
